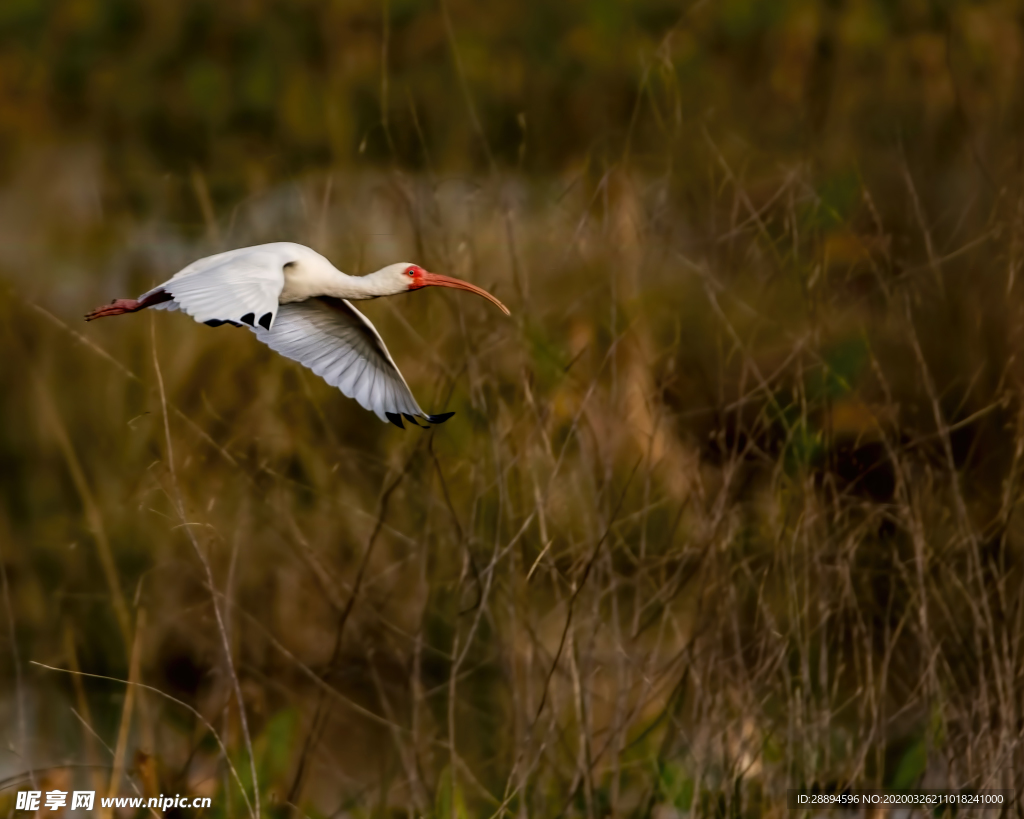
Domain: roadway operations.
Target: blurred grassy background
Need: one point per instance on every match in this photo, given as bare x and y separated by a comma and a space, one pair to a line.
729, 505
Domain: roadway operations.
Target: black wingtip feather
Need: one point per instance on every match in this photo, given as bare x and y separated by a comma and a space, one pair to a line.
265, 320
412, 420
249, 318
395, 419
440, 419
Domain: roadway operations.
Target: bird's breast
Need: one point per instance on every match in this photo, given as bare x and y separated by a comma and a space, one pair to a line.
301, 283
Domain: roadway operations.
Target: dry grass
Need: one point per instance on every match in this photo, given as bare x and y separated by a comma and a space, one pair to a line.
729, 506
721, 512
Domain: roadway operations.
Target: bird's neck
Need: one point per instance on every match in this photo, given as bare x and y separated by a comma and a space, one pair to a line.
303, 283
354, 288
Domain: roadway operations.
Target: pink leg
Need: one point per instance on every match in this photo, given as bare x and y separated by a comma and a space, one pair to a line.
115, 308
120, 306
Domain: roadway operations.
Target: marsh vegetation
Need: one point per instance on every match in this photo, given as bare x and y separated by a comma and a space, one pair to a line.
729, 505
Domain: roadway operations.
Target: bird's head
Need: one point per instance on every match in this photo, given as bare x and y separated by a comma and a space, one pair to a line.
403, 277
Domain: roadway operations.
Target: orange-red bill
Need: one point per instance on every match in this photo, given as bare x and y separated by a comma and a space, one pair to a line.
433, 279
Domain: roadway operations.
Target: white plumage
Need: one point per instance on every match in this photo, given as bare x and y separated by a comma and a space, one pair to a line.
339, 344
298, 304
228, 286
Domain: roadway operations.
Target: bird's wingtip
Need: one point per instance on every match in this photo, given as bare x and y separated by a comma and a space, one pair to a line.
440, 418
395, 419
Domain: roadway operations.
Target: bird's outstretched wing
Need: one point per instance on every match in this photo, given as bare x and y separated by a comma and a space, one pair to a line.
338, 343
236, 287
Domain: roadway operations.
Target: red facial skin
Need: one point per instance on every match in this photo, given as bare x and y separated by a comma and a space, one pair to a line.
416, 274
418, 278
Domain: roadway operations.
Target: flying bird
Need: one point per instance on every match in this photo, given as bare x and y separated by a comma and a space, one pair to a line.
299, 304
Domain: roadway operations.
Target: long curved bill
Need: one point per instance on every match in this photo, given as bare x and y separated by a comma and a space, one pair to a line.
435, 280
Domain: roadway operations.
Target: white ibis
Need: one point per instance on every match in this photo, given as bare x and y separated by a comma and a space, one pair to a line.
299, 304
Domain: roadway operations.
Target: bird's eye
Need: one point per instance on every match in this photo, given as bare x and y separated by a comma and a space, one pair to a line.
411, 271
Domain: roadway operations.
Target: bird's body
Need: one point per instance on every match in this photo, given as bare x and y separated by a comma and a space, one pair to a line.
298, 303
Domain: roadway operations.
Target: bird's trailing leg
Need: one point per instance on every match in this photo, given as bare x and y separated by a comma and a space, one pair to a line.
120, 306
